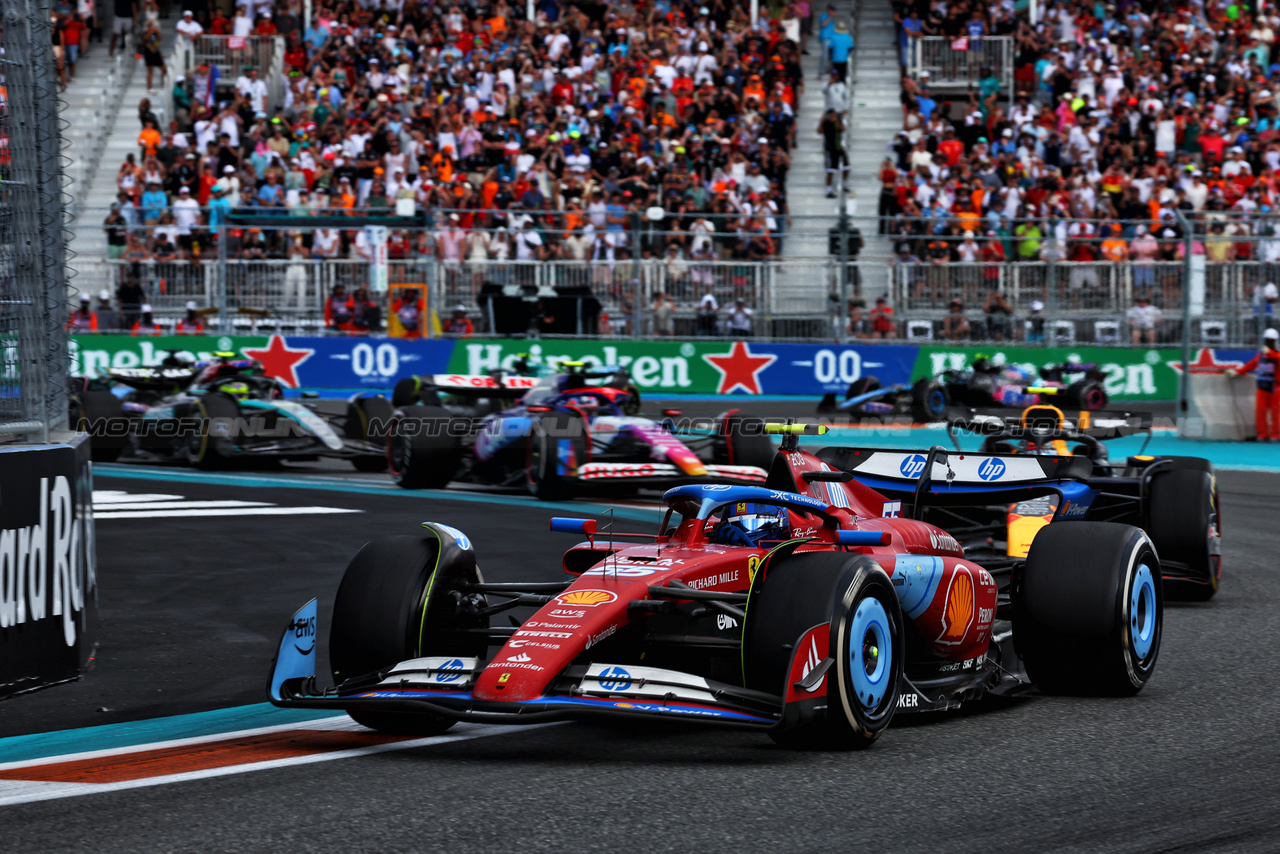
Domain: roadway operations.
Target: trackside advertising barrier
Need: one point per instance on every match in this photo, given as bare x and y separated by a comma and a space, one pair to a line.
48, 571
704, 366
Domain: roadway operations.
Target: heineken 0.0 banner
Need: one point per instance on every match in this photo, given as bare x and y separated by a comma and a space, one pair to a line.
1132, 373
714, 366
705, 366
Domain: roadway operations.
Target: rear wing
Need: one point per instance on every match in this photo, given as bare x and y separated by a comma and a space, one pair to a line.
153, 378
480, 385
956, 478
1099, 425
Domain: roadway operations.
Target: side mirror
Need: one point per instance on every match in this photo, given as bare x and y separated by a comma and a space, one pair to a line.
569, 525
862, 538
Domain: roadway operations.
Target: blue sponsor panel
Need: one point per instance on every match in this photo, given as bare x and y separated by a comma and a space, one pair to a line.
366, 362
815, 369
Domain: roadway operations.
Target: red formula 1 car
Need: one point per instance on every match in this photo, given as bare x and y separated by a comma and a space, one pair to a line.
810, 609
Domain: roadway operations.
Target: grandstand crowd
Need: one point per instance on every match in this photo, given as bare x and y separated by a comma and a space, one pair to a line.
1123, 114
529, 140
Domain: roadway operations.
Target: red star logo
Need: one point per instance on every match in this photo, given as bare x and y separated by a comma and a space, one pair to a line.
739, 369
1206, 363
280, 362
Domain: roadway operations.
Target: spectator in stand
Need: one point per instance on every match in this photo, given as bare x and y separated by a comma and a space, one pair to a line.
1035, 323
662, 312
1143, 318
955, 326
337, 309
409, 310
740, 319
999, 315
108, 317
84, 318
459, 324
883, 324
190, 323
708, 313
146, 324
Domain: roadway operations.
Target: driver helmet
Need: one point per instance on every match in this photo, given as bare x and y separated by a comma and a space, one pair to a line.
240, 391
746, 523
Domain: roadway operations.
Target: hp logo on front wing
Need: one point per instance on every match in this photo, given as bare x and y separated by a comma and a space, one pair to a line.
991, 469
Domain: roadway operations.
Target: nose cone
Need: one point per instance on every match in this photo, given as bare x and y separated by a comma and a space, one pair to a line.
593, 609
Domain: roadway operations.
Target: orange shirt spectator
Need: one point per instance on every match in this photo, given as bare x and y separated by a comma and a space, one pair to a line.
149, 140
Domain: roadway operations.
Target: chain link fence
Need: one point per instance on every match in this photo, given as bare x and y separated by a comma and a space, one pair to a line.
33, 384
961, 279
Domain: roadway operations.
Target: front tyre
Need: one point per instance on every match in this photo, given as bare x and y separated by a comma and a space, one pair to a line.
853, 597
395, 603
1089, 609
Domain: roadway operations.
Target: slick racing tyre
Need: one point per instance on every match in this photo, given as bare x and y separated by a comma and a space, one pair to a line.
1086, 394
632, 404
396, 603
743, 442
852, 599
1089, 609
213, 443
368, 420
928, 401
861, 386
1185, 526
558, 444
424, 447
101, 415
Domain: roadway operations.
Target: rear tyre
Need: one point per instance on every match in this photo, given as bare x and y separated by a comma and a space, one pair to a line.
860, 386
368, 420
395, 604
928, 401
424, 447
632, 404
101, 415
743, 442
212, 445
405, 393
1089, 610
1184, 525
1087, 395
853, 596
557, 445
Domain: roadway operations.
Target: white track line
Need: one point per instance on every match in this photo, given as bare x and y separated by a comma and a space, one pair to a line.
114, 496
24, 792
159, 513
163, 506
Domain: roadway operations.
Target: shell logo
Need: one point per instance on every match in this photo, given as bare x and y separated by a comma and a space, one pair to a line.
957, 616
586, 598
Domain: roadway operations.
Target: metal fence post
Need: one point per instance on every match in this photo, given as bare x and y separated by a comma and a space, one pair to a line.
1184, 382
224, 313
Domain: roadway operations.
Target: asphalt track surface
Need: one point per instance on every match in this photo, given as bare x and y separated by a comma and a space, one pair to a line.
191, 610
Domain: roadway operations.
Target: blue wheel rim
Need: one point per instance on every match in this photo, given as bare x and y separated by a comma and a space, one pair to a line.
870, 653
936, 401
1142, 612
